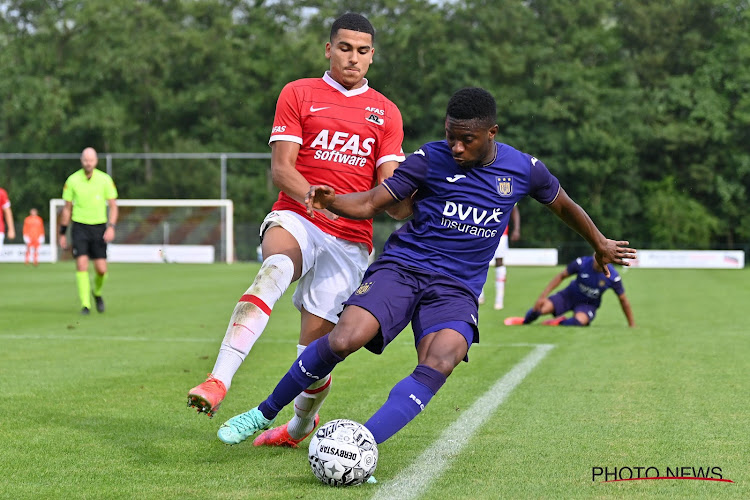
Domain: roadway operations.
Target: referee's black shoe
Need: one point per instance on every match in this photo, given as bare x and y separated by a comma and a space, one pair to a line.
99, 304
85, 311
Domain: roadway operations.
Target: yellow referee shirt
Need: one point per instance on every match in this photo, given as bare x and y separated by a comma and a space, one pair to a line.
89, 196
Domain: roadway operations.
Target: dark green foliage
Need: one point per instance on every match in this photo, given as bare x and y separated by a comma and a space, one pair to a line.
642, 109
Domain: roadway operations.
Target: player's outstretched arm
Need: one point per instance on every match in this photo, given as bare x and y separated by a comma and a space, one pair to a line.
285, 175
405, 207
559, 277
401, 210
627, 310
607, 251
364, 205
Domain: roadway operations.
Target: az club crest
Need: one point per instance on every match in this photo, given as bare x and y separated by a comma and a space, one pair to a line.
363, 288
505, 186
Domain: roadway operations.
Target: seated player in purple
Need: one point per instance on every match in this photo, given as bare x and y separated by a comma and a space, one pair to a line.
433, 268
583, 295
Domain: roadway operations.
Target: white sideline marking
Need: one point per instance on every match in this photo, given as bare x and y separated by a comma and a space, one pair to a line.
415, 479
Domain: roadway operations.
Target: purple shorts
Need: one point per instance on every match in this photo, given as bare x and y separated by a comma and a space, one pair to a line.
396, 295
564, 302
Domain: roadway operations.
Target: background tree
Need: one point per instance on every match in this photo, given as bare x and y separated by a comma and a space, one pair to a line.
641, 109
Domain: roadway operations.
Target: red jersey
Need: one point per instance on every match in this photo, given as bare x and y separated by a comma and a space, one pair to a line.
4, 203
344, 136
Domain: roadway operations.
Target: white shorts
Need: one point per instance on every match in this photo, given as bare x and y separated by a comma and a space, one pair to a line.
2, 240
332, 267
502, 248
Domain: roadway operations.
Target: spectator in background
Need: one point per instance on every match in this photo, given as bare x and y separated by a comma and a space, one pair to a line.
6, 218
87, 194
583, 295
33, 235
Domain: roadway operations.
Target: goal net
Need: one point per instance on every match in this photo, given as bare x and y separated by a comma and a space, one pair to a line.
188, 231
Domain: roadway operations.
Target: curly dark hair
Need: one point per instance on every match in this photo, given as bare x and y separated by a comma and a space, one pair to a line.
472, 103
354, 22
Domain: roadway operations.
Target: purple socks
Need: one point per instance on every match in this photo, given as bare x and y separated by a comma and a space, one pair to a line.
406, 400
315, 362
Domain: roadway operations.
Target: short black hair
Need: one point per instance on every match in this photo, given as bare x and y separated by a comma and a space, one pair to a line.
472, 103
354, 22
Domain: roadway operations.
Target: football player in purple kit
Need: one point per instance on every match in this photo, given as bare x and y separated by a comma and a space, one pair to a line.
583, 295
432, 269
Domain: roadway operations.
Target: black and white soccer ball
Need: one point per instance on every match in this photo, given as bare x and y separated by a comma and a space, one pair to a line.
343, 453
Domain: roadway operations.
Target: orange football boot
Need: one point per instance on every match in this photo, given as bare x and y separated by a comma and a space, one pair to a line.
207, 397
554, 321
279, 436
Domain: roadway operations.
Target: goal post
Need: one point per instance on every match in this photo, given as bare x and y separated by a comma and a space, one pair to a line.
165, 230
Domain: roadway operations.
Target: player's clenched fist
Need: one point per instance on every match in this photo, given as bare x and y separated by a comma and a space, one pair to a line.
319, 198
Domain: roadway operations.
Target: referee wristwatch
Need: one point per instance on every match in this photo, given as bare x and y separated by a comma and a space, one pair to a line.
109, 224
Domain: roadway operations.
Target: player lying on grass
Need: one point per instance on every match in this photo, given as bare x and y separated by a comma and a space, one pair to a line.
433, 268
583, 295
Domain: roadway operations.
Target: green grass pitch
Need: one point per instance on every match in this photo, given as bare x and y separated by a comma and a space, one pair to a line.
95, 407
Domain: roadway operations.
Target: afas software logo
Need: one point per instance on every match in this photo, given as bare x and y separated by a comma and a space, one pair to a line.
643, 473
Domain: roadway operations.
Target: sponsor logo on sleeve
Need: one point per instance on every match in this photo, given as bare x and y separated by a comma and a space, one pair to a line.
364, 288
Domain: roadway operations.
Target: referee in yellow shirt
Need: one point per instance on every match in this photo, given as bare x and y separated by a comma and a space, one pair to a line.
87, 194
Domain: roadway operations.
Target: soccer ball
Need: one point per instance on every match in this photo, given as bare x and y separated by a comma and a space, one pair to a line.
343, 453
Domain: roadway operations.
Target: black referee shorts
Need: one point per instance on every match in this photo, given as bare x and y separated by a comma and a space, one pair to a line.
89, 240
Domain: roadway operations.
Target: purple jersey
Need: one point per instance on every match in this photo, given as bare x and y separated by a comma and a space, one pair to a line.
590, 284
460, 215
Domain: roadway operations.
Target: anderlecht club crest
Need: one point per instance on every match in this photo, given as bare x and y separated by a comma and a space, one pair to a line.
505, 186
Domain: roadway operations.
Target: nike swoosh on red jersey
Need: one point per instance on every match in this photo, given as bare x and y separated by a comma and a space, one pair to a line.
313, 110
